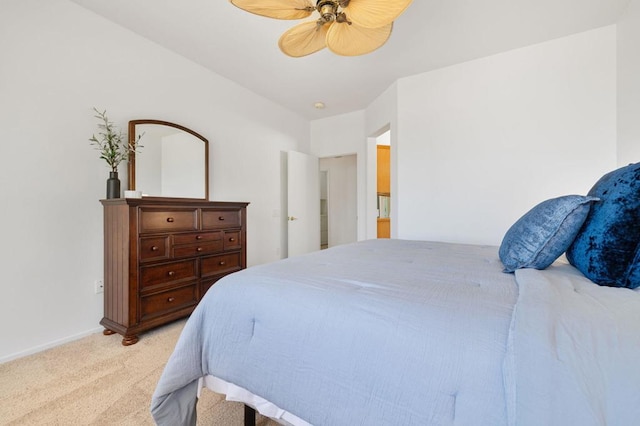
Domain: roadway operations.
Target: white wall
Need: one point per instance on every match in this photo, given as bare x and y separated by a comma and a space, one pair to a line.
59, 60
629, 85
476, 145
480, 143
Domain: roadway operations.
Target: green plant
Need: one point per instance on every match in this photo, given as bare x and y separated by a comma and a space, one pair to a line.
112, 143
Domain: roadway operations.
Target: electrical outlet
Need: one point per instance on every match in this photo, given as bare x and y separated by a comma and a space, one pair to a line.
99, 286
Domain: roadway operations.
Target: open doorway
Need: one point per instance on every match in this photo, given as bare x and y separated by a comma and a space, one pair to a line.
338, 200
383, 184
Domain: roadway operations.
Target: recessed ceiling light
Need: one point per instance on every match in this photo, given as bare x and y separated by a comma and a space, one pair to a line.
319, 105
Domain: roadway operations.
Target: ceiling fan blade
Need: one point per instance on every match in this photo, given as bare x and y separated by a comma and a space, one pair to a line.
375, 13
353, 40
304, 39
278, 9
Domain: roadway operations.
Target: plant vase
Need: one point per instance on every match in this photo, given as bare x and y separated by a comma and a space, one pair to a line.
113, 185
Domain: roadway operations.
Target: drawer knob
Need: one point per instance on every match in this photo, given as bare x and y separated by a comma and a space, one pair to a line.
170, 219
199, 249
154, 248
198, 237
171, 299
171, 273
221, 218
222, 263
232, 239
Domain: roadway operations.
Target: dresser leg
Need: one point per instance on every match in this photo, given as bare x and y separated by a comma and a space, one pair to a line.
108, 332
129, 340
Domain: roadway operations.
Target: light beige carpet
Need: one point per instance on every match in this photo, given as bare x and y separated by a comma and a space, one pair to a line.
97, 381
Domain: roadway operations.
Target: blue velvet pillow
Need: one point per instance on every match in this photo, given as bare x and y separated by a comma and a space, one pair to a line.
607, 248
539, 237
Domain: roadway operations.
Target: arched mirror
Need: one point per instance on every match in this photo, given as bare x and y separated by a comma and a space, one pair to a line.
174, 160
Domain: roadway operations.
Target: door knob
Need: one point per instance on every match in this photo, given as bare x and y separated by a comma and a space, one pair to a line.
292, 218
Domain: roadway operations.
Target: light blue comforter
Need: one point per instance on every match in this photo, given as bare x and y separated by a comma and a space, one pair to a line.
574, 351
381, 332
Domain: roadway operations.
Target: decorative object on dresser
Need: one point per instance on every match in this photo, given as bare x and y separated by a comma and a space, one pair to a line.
162, 255
113, 148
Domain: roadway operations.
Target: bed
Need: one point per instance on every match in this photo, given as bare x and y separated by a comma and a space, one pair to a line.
397, 332
393, 332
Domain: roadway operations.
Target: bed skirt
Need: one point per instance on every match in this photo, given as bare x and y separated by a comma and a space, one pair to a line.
237, 394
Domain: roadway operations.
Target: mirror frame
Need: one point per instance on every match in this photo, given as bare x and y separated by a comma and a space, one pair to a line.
132, 156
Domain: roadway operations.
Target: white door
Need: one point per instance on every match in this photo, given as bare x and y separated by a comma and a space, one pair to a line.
303, 196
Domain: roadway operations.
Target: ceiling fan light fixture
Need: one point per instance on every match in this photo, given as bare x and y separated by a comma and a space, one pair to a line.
277, 9
328, 10
347, 27
304, 39
375, 13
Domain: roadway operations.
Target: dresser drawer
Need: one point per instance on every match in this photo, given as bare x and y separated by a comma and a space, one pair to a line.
153, 248
197, 249
196, 237
221, 264
232, 240
216, 219
168, 301
167, 273
162, 220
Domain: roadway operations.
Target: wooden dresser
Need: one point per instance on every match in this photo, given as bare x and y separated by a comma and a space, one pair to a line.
162, 254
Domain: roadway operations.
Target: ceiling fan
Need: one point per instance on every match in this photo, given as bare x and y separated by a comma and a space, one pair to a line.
346, 27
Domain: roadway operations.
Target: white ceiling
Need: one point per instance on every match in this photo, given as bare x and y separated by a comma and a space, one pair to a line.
431, 34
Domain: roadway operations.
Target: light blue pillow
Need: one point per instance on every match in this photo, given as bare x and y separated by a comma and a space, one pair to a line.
546, 231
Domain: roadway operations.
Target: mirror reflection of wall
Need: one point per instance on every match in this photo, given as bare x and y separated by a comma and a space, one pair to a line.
182, 165
149, 159
170, 164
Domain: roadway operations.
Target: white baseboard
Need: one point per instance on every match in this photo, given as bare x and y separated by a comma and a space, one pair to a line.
49, 345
